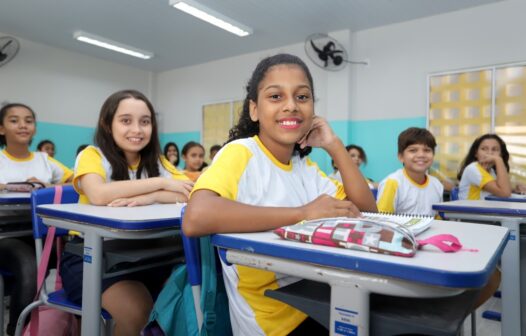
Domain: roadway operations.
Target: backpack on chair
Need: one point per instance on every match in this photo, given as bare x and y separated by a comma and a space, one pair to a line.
174, 311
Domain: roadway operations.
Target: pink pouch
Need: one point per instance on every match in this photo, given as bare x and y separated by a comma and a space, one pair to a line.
365, 235
23, 186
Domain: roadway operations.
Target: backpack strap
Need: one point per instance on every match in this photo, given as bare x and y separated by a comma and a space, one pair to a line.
42, 266
208, 285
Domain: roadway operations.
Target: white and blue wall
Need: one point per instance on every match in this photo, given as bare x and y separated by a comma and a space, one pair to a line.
366, 105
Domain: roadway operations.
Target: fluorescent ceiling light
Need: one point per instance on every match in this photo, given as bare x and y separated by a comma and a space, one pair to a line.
206, 14
111, 45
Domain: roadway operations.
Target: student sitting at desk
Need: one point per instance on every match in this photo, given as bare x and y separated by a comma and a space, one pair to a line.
262, 180
18, 164
193, 157
410, 189
127, 169
485, 169
358, 157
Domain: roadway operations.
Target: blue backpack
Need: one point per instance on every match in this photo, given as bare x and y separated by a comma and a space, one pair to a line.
174, 313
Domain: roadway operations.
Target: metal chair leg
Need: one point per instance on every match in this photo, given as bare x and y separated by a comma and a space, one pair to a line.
23, 316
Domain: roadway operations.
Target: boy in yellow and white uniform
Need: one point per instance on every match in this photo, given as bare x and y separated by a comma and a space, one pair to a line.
38, 165
245, 171
410, 189
92, 160
473, 180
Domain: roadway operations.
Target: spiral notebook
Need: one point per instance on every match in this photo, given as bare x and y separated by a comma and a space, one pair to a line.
415, 223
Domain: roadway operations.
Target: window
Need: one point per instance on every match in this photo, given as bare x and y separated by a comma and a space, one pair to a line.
218, 119
466, 104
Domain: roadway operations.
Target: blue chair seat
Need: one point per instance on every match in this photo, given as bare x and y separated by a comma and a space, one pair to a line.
59, 298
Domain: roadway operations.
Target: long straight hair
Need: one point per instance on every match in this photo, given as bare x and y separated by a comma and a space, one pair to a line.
104, 139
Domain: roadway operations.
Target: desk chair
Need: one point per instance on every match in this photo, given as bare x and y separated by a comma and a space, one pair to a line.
389, 315
453, 196
375, 193
57, 299
120, 256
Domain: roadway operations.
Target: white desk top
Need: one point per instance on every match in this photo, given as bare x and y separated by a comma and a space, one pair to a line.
141, 217
14, 197
483, 207
462, 269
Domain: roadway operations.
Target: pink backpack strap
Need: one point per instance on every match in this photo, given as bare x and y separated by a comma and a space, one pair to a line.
444, 242
44, 261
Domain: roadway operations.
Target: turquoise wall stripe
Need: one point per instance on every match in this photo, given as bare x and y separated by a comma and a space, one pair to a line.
180, 138
379, 139
67, 138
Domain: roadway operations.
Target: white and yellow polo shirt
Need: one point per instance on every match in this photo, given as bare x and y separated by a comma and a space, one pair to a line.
245, 171
38, 165
92, 161
398, 193
473, 180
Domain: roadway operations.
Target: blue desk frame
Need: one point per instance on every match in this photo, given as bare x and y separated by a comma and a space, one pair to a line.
507, 199
99, 222
510, 215
353, 275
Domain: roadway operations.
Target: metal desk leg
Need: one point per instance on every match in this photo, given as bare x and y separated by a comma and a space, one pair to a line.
91, 284
349, 310
511, 307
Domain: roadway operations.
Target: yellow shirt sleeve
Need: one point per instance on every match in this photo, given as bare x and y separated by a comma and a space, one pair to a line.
386, 201
485, 176
222, 177
66, 172
89, 162
176, 174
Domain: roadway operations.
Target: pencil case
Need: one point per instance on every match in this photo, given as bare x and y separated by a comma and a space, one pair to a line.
365, 235
23, 186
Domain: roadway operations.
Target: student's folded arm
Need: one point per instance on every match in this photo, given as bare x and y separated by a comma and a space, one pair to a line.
209, 213
99, 192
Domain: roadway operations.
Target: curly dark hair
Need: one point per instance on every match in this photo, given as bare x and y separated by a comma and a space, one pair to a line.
471, 156
246, 127
104, 139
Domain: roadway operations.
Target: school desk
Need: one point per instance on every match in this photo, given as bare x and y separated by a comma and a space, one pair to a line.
353, 275
19, 204
511, 215
514, 198
99, 222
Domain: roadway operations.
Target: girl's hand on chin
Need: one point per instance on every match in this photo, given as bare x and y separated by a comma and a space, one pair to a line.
319, 135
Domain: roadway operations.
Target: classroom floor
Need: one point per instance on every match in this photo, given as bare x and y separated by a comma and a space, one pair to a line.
484, 327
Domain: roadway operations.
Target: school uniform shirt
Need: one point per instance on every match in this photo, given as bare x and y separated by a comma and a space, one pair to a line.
38, 165
245, 171
337, 176
473, 180
398, 193
193, 176
92, 161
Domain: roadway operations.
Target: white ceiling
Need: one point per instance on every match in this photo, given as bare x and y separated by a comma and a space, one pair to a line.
179, 40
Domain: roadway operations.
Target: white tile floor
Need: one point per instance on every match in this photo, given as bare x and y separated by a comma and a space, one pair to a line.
484, 327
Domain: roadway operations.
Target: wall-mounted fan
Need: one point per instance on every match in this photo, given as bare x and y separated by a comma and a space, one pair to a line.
8, 49
327, 53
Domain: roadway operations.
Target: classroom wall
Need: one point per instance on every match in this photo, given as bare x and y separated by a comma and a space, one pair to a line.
367, 105
66, 90
393, 86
